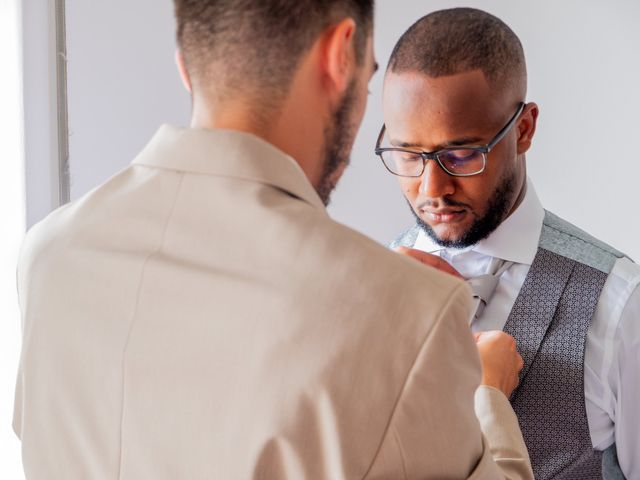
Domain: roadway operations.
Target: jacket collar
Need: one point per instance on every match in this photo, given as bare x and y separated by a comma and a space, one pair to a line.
227, 153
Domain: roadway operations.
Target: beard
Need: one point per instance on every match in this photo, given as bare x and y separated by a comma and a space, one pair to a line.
338, 142
498, 209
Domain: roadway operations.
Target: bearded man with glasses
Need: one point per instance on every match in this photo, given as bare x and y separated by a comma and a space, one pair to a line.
456, 132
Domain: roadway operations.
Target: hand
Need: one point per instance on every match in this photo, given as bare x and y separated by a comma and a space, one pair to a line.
501, 362
429, 259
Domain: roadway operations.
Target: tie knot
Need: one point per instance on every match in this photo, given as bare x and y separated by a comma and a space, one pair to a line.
485, 285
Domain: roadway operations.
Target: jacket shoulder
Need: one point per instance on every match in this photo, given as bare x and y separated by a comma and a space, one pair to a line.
565, 239
379, 268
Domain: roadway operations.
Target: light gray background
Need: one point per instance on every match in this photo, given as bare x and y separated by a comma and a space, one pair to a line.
584, 71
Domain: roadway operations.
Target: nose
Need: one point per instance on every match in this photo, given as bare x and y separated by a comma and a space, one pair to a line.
435, 182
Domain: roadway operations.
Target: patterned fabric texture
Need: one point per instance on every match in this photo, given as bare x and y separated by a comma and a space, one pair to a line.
549, 321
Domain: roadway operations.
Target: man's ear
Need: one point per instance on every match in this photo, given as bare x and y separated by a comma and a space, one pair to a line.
182, 69
339, 56
527, 127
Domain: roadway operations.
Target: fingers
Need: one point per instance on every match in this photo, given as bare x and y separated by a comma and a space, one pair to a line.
500, 359
497, 337
516, 381
520, 363
428, 259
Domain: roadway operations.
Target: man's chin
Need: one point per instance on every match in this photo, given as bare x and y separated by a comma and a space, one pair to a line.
445, 235
444, 232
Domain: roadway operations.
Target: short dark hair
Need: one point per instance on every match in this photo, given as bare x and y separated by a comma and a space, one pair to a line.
259, 42
457, 40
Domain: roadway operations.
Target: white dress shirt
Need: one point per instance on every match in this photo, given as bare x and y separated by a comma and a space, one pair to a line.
612, 353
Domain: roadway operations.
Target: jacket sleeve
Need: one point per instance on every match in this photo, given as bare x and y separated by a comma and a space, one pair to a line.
433, 432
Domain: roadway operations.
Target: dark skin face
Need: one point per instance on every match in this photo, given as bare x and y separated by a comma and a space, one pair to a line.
426, 113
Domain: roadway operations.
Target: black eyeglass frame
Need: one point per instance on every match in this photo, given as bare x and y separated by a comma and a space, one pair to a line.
426, 156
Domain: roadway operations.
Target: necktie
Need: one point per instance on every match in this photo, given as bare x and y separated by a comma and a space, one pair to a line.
484, 285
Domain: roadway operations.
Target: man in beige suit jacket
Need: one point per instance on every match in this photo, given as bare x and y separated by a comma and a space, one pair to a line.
199, 316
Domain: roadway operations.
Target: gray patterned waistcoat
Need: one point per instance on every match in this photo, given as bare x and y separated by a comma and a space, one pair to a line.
549, 320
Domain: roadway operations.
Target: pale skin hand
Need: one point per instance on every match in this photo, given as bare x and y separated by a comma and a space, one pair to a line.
501, 362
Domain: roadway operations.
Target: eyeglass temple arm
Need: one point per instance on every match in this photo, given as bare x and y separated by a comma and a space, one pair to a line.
380, 135
506, 128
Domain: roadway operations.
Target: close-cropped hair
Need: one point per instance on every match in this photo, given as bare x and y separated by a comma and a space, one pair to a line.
457, 40
259, 42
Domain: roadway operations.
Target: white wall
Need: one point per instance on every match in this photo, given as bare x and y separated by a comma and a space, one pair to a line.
122, 83
583, 68
12, 213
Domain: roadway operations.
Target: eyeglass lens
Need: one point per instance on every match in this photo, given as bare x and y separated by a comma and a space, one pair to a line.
456, 162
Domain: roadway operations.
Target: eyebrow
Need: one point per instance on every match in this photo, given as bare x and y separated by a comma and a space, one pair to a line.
458, 142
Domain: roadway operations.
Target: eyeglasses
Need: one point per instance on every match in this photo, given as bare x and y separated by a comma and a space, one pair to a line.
456, 161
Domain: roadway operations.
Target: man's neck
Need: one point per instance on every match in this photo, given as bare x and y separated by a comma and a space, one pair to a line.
288, 130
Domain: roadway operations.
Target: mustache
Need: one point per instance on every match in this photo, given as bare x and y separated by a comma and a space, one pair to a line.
441, 202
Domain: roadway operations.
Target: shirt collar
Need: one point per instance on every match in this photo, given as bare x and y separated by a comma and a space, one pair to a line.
227, 153
515, 240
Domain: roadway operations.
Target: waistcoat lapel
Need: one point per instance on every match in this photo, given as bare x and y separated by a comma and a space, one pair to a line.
537, 303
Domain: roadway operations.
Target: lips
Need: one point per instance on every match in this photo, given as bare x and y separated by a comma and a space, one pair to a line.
444, 215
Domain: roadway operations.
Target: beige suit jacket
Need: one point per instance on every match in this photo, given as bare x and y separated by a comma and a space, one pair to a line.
199, 316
